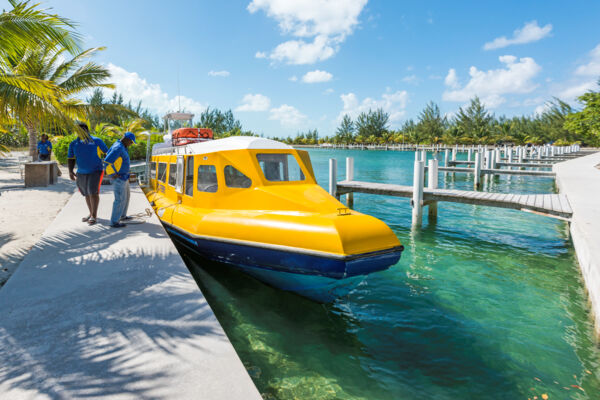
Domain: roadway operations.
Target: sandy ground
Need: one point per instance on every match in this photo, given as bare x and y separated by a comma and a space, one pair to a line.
25, 213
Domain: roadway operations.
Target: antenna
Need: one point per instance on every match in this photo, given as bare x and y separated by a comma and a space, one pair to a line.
178, 89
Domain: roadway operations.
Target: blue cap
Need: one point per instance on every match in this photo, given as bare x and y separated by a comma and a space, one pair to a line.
129, 135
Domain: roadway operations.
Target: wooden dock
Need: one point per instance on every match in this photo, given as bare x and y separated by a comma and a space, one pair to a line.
552, 205
556, 205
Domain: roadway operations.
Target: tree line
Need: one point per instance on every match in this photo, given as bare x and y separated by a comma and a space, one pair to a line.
559, 123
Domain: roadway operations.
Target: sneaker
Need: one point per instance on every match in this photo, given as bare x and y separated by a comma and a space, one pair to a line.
126, 218
118, 225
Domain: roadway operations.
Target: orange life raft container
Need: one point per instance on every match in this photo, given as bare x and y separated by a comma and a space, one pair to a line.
183, 136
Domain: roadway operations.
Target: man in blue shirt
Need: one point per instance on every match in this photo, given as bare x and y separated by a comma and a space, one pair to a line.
44, 148
117, 166
88, 156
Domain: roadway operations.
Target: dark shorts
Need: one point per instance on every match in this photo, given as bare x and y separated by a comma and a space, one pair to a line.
44, 157
89, 184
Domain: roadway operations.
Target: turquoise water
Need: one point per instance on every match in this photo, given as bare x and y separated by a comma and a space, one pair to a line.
485, 303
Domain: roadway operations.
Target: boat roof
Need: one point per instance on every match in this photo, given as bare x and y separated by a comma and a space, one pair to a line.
226, 144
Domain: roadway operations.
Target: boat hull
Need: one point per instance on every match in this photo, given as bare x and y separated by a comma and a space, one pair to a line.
316, 276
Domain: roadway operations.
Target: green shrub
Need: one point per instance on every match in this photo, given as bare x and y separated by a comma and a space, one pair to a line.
137, 151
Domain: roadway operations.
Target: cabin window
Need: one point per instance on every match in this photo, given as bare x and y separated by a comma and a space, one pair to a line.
162, 172
207, 178
280, 167
189, 176
172, 174
153, 170
234, 178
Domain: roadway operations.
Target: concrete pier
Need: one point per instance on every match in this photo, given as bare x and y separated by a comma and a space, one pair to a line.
98, 312
579, 179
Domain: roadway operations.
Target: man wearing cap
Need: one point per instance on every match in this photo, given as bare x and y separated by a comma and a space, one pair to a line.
117, 166
87, 154
44, 148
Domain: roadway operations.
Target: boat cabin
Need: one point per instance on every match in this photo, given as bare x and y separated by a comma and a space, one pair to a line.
225, 173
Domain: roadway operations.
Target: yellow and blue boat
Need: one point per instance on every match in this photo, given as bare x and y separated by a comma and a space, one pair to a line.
254, 203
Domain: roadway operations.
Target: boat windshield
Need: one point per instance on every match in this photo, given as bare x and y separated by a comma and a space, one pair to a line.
280, 167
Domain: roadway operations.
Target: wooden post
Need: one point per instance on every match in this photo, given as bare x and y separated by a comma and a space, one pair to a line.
470, 154
432, 183
520, 153
496, 159
446, 158
488, 159
454, 154
333, 177
417, 198
350, 177
424, 156
477, 169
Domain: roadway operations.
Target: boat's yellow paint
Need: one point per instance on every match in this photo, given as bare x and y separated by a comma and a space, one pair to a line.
296, 214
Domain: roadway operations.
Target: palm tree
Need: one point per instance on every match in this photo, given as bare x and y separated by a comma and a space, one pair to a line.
135, 126
26, 25
66, 78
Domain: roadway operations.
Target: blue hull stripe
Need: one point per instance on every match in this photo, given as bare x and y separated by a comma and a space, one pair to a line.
285, 261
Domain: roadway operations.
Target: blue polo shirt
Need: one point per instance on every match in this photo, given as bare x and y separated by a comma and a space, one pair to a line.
87, 154
44, 147
118, 158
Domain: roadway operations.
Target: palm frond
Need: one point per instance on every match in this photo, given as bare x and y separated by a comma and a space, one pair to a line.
87, 76
67, 66
26, 24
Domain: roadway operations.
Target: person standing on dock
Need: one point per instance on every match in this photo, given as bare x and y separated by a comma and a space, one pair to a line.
44, 148
117, 161
87, 154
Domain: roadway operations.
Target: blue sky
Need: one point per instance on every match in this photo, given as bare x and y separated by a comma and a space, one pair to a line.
286, 66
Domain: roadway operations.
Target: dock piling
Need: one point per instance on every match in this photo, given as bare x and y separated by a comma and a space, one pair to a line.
432, 183
333, 177
417, 198
350, 177
477, 169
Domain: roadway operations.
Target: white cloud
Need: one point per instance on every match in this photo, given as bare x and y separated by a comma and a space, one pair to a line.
576, 90
287, 115
451, 79
530, 32
584, 78
542, 108
135, 88
260, 54
293, 78
223, 74
491, 85
412, 79
593, 67
392, 103
254, 102
317, 76
326, 22
300, 52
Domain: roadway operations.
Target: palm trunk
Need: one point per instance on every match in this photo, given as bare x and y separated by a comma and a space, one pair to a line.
32, 133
